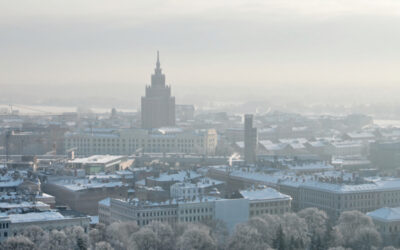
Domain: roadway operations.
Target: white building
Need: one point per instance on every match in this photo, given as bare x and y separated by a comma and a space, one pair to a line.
104, 211
47, 199
97, 163
331, 191
346, 148
387, 222
266, 201
13, 224
188, 190
24, 206
231, 211
129, 141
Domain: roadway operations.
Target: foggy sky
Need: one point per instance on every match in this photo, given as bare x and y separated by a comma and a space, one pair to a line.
255, 49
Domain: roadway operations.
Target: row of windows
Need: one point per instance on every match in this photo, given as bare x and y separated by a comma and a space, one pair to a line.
359, 196
198, 210
85, 152
137, 141
145, 222
269, 211
158, 213
196, 218
267, 204
392, 229
4, 225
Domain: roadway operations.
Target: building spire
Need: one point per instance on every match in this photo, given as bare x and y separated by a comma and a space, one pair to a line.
158, 60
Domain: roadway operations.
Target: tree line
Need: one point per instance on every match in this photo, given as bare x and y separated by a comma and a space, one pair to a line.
308, 229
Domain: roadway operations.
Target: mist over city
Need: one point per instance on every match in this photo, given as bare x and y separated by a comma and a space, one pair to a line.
163, 125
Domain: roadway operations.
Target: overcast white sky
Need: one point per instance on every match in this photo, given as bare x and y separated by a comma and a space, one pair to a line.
240, 44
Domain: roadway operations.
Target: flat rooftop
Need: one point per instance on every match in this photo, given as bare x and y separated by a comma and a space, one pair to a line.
97, 159
263, 194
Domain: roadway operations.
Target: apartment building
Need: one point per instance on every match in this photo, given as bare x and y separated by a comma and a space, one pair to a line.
231, 211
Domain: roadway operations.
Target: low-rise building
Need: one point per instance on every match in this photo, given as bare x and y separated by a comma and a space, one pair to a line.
165, 180
13, 224
104, 211
387, 222
331, 191
83, 194
97, 163
266, 201
231, 211
190, 191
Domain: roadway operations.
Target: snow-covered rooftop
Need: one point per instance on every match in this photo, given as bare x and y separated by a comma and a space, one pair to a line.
105, 202
346, 144
170, 130
10, 183
24, 204
203, 183
386, 214
180, 176
81, 184
240, 144
316, 181
97, 159
270, 146
311, 166
34, 217
360, 135
263, 194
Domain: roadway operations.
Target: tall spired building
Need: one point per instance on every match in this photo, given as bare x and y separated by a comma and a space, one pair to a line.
158, 106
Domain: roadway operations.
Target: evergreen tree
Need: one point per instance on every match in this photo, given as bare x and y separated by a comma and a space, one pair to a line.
279, 241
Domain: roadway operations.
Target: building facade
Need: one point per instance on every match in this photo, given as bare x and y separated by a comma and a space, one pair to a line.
14, 224
387, 222
129, 141
231, 211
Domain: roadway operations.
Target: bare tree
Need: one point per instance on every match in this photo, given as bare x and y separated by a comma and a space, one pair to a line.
165, 235
95, 237
366, 239
196, 238
35, 234
57, 240
333, 237
266, 226
351, 221
102, 245
144, 239
390, 248
77, 237
295, 230
118, 234
316, 221
247, 237
97, 234
219, 232
19, 243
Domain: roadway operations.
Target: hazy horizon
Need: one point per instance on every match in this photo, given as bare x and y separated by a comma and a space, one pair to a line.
311, 51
